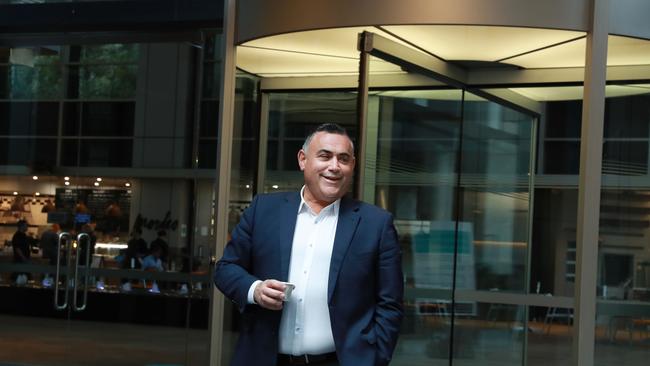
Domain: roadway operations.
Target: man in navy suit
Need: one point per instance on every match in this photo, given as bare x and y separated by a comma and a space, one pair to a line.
341, 255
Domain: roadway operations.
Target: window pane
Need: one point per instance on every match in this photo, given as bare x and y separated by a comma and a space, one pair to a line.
108, 119
102, 81
625, 157
292, 116
109, 53
561, 157
494, 184
71, 118
627, 116
29, 118
208, 150
37, 153
106, 153
209, 119
563, 118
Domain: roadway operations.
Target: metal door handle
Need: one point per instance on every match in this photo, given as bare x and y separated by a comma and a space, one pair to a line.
64, 238
86, 274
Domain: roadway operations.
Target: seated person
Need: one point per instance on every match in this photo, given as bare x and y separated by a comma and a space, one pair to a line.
152, 262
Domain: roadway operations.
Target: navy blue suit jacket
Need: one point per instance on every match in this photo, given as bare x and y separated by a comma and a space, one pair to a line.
365, 285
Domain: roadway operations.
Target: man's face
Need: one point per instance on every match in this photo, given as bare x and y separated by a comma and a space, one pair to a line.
327, 165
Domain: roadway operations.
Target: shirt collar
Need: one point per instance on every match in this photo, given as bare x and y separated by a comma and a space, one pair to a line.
331, 209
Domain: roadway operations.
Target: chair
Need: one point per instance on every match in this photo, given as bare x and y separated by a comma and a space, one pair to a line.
553, 313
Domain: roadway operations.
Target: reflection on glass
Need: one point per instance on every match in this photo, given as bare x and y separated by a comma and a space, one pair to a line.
623, 278
495, 191
550, 336
156, 291
292, 116
414, 177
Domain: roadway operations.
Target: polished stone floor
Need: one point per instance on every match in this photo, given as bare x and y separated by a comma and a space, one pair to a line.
42, 341
28, 341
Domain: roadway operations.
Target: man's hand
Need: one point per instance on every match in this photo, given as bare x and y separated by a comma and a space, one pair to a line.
269, 294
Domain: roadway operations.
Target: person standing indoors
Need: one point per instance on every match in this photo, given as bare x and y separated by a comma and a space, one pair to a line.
341, 255
161, 241
20, 244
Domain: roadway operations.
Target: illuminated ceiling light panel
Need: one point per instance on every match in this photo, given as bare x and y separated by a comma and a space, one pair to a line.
621, 51
549, 94
333, 51
627, 51
311, 53
267, 62
480, 43
444, 94
334, 42
571, 54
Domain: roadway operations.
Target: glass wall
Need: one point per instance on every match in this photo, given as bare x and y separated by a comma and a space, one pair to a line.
417, 139
291, 117
106, 213
621, 305
623, 277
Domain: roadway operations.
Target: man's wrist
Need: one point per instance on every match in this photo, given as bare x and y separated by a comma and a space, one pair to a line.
251, 292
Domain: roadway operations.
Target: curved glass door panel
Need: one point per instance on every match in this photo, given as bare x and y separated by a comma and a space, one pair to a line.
497, 142
454, 168
101, 151
495, 184
411, 170
623, 270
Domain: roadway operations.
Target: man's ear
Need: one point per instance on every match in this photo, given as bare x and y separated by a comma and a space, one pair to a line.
302, 158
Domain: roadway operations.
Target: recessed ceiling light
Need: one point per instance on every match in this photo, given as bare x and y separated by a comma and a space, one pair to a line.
67, 183
66, 178
38, 193
96, 184
275, 186
99, 179
127, 184
15, 193
35, 177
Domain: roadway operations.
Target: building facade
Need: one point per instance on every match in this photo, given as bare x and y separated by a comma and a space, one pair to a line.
509, 139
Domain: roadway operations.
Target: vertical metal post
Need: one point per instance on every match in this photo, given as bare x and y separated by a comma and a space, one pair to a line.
364, 45
263, 142
371, 131
591, 146
531, 212
222, 185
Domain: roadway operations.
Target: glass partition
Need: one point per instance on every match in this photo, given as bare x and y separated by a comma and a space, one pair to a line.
454, 167
623, 274
105, 215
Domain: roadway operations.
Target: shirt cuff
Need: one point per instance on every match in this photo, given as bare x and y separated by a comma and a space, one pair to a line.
251, 292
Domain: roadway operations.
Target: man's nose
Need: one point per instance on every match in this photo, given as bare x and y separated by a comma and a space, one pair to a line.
334, 164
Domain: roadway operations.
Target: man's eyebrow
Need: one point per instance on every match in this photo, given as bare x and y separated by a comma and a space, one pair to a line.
321, 151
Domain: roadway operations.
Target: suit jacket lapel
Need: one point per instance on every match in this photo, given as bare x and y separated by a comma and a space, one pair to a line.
345, 228
289, 212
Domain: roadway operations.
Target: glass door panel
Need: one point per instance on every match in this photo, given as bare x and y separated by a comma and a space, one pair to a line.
106, 178
495, 200
454, 169
413, 138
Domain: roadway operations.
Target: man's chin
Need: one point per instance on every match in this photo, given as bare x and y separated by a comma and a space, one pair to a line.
333, 195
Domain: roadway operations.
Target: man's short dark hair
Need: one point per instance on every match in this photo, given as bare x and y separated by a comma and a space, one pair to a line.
329, 128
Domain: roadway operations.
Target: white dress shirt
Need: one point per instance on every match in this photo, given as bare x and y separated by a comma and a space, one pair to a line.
305, 327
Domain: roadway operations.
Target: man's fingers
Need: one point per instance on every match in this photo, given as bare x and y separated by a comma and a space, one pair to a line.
277, 285
269, 294
272, 293
271, 303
